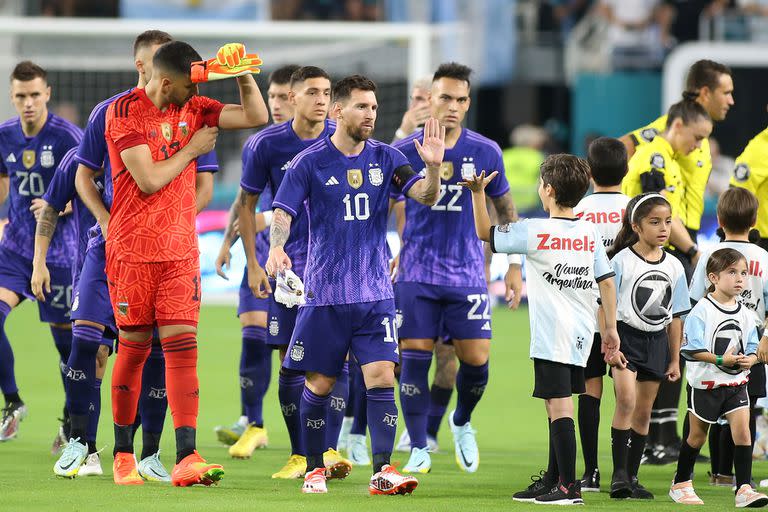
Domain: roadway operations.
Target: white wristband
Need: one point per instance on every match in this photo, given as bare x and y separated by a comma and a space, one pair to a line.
267, 217
514, 259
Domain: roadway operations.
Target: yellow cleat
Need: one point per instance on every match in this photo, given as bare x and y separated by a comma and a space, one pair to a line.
254, 437
294, 468
336, 466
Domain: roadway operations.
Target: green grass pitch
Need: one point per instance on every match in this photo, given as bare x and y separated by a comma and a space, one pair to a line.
511, 429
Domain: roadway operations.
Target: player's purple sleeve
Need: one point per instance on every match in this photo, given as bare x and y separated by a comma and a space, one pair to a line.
293, 191
499, 186
255, 170
93, 148
208, 162
61, 189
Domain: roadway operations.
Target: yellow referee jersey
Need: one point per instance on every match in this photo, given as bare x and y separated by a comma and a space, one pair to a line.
653, 168
751, 172
695, 169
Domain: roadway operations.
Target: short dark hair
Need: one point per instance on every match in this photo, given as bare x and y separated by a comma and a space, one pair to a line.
342, 90
304, 73
453, 70
720, 260
282, 75
607, 158
568, 175
27, 70
737, 210
688, 110
176, 57
149, 38
704, 73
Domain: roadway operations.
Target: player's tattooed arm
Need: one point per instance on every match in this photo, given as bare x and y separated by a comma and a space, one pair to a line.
281, 228
46, 226
505, 208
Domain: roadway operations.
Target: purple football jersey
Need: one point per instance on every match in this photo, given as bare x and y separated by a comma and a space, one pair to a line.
61, 191
265, 158
347, 204
440, 245
31, 162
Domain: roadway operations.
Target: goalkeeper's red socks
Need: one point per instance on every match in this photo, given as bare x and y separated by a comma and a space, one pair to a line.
126, 379
181, 380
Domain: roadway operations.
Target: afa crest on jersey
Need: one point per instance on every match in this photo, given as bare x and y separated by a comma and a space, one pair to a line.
165, 129
28, 158
274, 327
376, 176
355, 178
446, 171
468, 167
46, 157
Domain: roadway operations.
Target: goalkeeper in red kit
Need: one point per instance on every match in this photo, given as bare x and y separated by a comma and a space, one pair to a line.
153, 137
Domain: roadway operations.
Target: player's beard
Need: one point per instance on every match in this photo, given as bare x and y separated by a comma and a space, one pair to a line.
356, 133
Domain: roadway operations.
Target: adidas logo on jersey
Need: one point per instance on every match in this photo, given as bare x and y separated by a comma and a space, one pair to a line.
332, 181
11, 159
486, 326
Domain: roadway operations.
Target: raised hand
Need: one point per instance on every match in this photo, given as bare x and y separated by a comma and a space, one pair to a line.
478, 183
230, 54
432, 148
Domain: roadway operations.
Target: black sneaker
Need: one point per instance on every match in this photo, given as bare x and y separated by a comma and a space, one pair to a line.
540, 485
620, 486
659, 456
639, 492
591, 482
562, 495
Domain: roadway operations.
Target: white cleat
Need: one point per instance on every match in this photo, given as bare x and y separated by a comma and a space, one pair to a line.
72, 457
465, 444
152, 470
12, 414
357, 450
92, 466
314, 482
419, 462
346, 427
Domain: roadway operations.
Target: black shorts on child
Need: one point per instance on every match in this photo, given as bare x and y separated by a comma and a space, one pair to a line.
647, 353
557, 380
596, 366
709, 404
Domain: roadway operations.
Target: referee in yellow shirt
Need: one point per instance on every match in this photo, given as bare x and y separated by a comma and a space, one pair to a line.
751, 172
710, 84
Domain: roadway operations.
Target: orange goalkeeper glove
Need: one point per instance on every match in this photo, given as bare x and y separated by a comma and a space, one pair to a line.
230, 61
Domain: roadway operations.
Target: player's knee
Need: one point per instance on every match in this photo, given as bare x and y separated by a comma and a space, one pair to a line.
319, 384
287, 372
9, 297
417, 344
696, 438
625, 405
253, 319
379, 375
65, 327
741, 437
594, 387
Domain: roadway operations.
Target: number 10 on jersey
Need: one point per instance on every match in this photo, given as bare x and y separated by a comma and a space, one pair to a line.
356, 207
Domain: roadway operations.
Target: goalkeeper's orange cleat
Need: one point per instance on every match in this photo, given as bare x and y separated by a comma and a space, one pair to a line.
230, 61
193, 470
124, 470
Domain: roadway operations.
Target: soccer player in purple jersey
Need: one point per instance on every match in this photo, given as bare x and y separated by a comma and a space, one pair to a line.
343, 183
255, 355
441, 277
265, 159
31, 145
